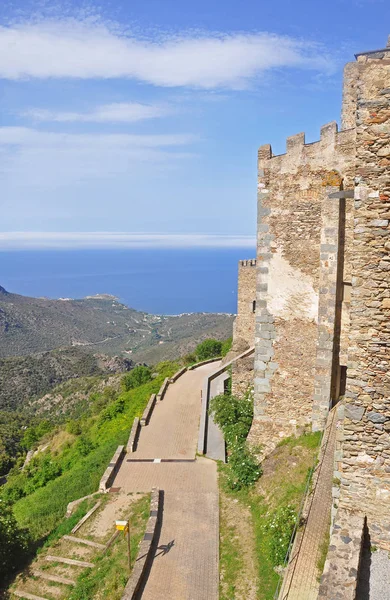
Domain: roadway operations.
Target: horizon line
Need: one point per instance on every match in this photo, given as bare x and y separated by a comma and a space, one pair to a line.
95, 240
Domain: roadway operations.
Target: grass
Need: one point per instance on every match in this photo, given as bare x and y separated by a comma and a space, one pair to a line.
109, 577
42, 510
323, 552
285, 475
230, 559
66, 525
111, 571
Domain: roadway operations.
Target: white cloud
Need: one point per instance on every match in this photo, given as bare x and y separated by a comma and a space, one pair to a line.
91, 49
25, 136
16, 240
36, 158
117, 112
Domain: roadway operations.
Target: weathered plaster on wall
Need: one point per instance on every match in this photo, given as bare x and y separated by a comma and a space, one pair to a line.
291, 193
290, 291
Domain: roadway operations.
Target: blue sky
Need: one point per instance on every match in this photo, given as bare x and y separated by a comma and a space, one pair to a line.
137, 123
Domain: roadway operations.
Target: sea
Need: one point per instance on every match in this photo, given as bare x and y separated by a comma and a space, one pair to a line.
159, 281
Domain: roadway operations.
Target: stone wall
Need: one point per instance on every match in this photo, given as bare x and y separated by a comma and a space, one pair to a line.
340, 576
293, 232
244, 327
348, 111
363, 462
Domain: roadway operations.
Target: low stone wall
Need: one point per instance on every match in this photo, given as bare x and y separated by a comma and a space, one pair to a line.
204, 362
133, 435
145, 549
340, 577
163, 389
148, 411
112, 469
206, 395
72, 505
242, 376
177, 375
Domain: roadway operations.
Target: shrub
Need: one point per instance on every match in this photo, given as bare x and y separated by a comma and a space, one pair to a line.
138, 376
208, 349
14, 490
84, 446
113, 410
280, 526
189, 359
40, 471
14, 542
33, 434
244, 468
233, 415
73, 427
226, 346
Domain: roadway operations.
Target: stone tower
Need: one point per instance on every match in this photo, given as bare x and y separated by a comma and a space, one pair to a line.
322, 320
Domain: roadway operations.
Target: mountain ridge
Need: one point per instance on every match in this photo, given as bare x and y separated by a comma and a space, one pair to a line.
103, 324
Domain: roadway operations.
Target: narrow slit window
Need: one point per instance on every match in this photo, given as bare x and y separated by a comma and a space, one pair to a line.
254, 306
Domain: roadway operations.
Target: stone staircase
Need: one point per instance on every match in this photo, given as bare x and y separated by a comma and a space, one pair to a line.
54, 572
52, 575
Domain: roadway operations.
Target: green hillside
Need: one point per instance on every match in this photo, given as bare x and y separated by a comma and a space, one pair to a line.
101, 324
74, 458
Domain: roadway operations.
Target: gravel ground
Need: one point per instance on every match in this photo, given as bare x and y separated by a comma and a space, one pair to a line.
374, 581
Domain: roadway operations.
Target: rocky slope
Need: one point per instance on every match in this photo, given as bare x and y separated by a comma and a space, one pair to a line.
25, 378
101, 324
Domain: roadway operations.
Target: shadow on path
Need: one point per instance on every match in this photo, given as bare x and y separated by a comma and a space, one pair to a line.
165, 548
155, 547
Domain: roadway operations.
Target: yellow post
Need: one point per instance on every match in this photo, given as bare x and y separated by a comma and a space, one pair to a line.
125, 527
128, 545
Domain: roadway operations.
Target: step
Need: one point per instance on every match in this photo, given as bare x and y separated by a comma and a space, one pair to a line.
55, 578
70, 561
72, 538
86, 517
26, 595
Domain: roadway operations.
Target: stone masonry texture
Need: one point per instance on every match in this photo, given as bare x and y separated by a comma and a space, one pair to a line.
364, 458
244, 327
322, 315
297, 274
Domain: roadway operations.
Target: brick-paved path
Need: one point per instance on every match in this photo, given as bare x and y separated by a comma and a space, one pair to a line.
301, 580
189, 570
173, 428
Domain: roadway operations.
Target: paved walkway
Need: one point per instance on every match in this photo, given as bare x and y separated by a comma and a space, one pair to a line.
301, 580
374, 575
185, 566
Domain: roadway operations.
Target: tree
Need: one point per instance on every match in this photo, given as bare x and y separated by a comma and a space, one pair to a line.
14, 542
226, 346
138, 376
208, 349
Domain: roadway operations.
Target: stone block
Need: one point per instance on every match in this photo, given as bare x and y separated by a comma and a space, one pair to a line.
375, 417
354, 412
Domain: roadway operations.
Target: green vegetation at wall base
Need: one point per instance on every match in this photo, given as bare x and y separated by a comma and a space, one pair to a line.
274, 500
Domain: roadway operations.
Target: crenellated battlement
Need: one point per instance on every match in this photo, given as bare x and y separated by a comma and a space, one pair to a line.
297, 148
250, 262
